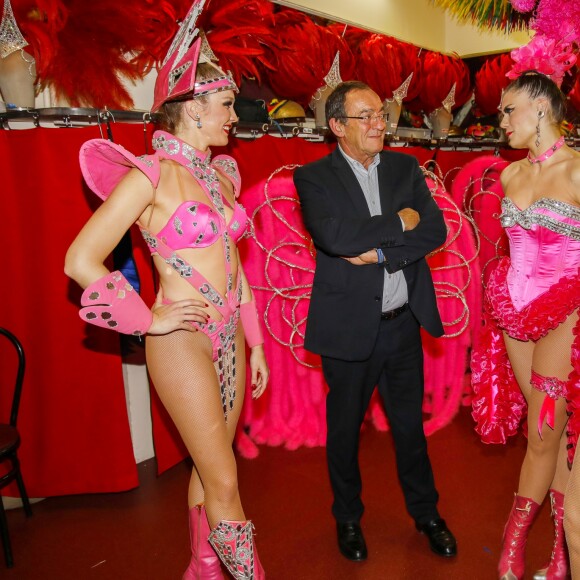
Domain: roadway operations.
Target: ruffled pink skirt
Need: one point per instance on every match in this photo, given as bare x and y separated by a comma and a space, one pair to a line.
498, 403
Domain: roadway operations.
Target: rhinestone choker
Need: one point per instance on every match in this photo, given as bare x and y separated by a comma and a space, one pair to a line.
547, 154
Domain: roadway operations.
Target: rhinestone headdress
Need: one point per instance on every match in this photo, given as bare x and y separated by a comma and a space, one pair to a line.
176, 78
11, 38
449, 100
332, 78
401, 92
331, 81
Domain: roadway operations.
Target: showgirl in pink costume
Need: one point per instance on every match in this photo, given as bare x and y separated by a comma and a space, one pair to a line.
532, 305
185, 205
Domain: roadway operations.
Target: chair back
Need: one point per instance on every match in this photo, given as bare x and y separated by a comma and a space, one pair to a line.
19, 374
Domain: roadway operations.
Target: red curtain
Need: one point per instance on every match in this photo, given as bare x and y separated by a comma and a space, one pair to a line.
73, 418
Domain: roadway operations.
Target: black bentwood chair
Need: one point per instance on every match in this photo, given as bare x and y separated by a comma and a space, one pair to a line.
9, 443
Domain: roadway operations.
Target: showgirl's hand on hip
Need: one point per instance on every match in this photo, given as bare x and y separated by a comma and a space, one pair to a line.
259, 369
177, 315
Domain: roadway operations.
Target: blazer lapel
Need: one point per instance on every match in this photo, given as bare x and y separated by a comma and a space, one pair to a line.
350, 182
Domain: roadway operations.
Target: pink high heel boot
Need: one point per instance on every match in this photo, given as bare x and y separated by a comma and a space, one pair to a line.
513, 553
234, 544
557, 568
205, 563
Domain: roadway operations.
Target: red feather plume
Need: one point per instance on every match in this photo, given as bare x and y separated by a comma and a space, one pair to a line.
352, 35
305, 54
40, 22
82, 48
241, 34
385, 63
490, 80
440, 72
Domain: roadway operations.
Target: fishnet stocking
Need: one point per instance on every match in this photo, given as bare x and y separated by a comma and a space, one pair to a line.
181, 368
572, 517
544, 465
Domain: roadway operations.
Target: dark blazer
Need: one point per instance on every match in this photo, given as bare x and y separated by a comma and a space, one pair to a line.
345, 307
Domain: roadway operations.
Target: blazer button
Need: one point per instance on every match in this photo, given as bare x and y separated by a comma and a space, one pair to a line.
377, 298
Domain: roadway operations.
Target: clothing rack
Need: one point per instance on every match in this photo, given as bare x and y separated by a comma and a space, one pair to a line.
58, 117
65, 117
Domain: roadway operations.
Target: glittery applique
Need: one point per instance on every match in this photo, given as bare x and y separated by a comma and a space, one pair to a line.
180, 265
176, 74
177, 223
527, 218
211, 294
233, 542
145, 160
228, 166
149, 239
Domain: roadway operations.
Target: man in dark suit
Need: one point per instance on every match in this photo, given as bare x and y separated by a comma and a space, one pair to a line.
373, 221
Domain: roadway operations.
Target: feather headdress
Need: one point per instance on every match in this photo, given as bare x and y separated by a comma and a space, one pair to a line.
552, 51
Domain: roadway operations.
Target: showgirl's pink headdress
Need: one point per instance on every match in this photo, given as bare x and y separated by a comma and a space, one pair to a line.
545, 55
176, 78
552, 50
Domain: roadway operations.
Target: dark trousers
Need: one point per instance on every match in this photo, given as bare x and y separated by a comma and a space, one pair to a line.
396, 367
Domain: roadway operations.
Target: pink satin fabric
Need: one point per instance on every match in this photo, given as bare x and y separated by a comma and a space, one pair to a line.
540, 256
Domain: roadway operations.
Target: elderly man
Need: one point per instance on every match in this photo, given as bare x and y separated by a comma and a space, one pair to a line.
373, 221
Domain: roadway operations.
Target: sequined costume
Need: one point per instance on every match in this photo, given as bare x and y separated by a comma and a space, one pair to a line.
192, 225
527, 295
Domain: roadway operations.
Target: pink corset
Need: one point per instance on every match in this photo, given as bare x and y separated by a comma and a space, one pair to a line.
544, 246
198, 225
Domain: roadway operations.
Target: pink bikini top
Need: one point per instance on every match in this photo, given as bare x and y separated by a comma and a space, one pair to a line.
544, 246
198, 225
195, 224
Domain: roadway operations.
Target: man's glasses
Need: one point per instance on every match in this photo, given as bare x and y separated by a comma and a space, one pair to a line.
371, 119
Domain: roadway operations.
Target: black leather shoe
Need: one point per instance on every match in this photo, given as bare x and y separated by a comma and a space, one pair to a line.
441, 540
351, 541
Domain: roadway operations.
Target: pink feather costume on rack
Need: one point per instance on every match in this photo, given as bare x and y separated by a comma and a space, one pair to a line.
280, 253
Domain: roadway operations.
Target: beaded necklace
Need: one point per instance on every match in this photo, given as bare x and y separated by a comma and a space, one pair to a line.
547, 154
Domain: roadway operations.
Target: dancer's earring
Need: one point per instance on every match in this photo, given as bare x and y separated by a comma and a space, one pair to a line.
198, 121
540, 116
